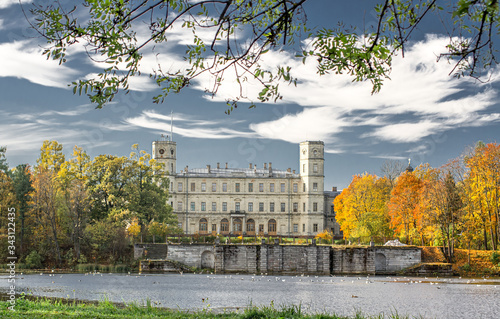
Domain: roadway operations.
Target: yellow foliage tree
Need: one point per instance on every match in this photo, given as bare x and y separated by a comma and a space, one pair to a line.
134, 229
361, 209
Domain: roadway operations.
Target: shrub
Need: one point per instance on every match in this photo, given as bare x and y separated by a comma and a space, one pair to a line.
466, 267
495, 257
33, 260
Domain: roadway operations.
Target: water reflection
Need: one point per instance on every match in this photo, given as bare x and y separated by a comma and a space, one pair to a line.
426, 297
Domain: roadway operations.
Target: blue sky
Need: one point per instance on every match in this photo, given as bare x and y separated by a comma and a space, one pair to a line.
421, 113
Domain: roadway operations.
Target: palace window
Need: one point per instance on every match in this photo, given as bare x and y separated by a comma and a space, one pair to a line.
193, 207
271, 187
283, 207
179, 206
250, 225
214, 206
203, 225
250, 207
203, 187
179, 187
282, 187
303, 168
315, 187
304, 187
315, 168
237, 187
295, 187
295, 228
250, 187
193, 187
214, 228
214, 187
315, 227
315, 207
224, 206
303, 228
271, 226
261, 207
304, 207
224, 187
237, 225
261, 187
271, 207
295, 207
224, 225
203, 206
237, 206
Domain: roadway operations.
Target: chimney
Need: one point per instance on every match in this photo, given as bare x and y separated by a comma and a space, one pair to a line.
270, 166
293, 171
334, 188
208, 168
218, 165
226, 165
250, 165
254, 166
289, 170
186, 169
265, 165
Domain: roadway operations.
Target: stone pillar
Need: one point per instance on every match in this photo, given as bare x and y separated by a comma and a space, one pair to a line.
263, 258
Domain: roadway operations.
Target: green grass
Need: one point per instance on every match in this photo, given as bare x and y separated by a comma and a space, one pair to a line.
56, 308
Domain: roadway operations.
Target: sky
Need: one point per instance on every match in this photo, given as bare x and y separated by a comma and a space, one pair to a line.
421, 113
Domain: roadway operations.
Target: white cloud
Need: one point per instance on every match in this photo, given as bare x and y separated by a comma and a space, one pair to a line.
193, 128
405, 132
7, 3
23, 59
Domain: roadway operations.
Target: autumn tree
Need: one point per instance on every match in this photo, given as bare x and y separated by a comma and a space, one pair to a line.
403, 204
73, 176
440, 205
46, 195
361, 208
230, 38
483, 186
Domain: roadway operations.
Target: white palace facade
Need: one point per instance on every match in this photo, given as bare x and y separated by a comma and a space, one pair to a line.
251, 201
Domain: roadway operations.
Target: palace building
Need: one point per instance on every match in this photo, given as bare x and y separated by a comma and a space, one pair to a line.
251, 201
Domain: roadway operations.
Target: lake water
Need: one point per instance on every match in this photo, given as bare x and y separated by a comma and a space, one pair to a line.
425, 297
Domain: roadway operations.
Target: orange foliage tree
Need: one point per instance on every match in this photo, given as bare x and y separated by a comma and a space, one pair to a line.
406, 219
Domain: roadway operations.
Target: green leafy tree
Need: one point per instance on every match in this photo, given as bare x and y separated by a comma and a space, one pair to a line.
3, 160
23, 187
232, 36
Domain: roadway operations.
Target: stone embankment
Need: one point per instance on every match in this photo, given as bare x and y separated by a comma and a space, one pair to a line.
278, 259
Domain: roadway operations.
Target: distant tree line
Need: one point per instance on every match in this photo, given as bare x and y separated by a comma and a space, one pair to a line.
83, 210
456, 205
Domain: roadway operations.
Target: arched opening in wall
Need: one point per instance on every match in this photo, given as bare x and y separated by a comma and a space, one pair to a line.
237, 226
207, 260
203, 227
380, 263
271, 227
250, 227
224, 226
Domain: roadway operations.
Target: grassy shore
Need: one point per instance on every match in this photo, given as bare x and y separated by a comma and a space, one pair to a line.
53, 308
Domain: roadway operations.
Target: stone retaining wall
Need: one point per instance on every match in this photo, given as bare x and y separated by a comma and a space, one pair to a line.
286, 259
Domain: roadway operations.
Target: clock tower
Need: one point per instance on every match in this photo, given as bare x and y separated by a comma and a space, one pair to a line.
165, 152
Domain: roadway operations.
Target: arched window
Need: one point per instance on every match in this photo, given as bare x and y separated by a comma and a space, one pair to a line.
237, 225
271, 227
203, 225
224, 226
250, 227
